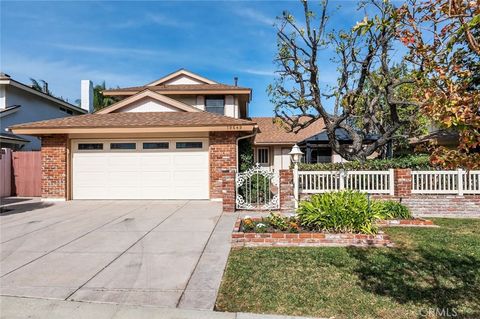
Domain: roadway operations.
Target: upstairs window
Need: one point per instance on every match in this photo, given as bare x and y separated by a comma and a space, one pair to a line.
215, 104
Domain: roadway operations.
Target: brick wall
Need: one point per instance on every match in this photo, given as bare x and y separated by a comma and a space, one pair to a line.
223, 165
287, 200
54, 166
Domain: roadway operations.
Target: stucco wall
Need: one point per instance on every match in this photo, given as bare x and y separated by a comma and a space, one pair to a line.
147, 105
33, 108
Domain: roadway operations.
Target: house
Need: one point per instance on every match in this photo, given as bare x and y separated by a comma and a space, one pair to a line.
174, 138
19, 103
274, 141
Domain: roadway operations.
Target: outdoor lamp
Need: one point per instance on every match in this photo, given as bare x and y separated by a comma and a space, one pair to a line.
295, 154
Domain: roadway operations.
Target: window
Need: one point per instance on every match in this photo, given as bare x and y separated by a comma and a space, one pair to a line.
189, 144
122, 146
215, 104
90, 146
66, 110
155, 146
262, 155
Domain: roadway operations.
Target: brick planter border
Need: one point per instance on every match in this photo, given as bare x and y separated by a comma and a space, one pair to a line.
242, 239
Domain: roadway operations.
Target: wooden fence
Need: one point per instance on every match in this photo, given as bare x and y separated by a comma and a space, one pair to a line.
5, 172
446, 182
27, 171
372, 182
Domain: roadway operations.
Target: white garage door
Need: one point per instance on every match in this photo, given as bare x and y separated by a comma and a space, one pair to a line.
140, 169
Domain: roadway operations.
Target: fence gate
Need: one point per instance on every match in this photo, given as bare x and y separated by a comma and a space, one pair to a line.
258, 189
27, 172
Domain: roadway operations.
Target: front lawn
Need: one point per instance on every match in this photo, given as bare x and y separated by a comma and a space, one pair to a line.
431, 270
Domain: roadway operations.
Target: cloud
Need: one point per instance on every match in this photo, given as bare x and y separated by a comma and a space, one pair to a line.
255, 15
104, 50
63, 76
149, 19
258, 72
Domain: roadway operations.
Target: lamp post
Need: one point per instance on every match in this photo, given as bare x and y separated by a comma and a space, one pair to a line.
295, 155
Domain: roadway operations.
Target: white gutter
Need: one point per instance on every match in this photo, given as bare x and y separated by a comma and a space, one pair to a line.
255, 131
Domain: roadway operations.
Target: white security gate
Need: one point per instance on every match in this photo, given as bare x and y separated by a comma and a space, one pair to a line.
258, 189
140, 169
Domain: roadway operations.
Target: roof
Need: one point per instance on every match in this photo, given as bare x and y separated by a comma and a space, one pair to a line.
441, 137
147, 93
341, 135
184, 73
181, 88
161, 85
7, 80
12, 138
170, 121
271, 132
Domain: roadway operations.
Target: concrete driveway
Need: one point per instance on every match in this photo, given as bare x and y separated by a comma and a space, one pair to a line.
160, 253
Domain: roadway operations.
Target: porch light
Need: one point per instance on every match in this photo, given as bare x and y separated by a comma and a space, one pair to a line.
295, 154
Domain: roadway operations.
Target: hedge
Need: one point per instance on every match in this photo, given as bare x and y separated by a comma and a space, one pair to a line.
418, 162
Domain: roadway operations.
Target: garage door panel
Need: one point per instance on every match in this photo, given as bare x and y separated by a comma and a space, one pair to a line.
156, 179
123, 162
136, 174
185, 160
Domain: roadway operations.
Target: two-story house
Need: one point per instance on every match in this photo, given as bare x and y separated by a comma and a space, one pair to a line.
20, 103
174, 138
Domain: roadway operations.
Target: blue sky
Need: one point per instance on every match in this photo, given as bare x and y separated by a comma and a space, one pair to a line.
133, 43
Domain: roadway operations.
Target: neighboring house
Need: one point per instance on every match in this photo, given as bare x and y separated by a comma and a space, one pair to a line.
274, 141
19, 103
175, 138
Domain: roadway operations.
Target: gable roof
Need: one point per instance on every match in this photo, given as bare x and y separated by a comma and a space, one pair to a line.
151, 94
135, 122
272, 132
181, 89
7, 80
181, 72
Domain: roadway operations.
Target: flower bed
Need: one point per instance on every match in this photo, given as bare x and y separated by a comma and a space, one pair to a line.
277, 230
241, 238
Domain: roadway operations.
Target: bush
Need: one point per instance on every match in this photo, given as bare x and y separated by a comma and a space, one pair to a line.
389, 209
419, 162
344, 211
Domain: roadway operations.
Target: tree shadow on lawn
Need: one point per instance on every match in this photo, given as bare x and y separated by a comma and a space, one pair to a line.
433, 278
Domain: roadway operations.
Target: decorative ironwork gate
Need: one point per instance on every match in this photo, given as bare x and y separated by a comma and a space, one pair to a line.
258, 188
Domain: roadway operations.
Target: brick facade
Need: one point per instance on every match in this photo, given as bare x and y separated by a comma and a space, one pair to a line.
54, 166
223, 165
287, 199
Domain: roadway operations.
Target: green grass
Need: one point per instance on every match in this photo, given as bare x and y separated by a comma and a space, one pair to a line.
429, 268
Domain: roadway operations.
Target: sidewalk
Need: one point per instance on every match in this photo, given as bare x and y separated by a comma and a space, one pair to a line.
17, 307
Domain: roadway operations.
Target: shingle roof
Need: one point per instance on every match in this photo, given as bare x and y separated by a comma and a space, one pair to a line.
180, 87
131, 120
274, 133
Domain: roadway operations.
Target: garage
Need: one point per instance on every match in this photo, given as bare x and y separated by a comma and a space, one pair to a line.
140, 169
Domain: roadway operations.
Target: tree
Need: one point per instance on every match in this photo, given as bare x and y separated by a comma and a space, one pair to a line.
443, 38
99, 100
368, 83
43, 87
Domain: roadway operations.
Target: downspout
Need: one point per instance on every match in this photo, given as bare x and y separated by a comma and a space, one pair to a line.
255, 131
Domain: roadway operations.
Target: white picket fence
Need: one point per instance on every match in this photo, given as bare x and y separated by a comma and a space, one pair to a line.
446, 182
458, 182
371, 182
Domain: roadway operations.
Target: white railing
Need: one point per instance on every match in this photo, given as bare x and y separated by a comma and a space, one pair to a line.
446, 182
372, 182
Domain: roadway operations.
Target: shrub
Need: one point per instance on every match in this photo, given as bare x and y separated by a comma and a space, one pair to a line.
344, 211
419, 162
390, 209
